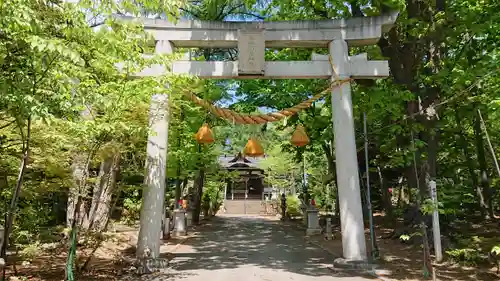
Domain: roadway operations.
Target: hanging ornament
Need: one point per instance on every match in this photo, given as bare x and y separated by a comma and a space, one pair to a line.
253, 148
204, 135
299, 137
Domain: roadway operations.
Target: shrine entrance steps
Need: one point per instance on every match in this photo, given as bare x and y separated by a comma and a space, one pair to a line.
244, 207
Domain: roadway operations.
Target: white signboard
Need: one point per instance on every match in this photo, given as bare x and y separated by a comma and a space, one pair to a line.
435, 223
251, 48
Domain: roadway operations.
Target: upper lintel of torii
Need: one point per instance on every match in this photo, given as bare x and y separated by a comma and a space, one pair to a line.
281, 34
252, 38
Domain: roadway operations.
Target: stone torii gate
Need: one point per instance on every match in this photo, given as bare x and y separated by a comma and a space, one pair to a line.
251, 39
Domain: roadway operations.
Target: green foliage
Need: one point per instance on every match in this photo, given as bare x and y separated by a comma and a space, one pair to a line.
31, 251
62, 95
58, 77
293, 206
496, 250
471, 254
212, 198
132, 207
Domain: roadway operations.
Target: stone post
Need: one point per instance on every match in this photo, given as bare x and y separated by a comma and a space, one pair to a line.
351, 213
313, 227
166, 228
189, 216
328, 229
154, 191
232, 190
436, 231
180, 222
2, 233
283, 206
303, 207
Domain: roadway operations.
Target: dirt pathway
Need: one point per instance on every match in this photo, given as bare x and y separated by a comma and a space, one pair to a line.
250, 248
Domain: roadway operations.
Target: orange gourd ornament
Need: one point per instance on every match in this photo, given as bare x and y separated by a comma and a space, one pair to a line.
204, 135
253, 148
299, 137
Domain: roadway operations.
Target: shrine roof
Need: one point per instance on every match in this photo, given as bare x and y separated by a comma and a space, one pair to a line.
239, 161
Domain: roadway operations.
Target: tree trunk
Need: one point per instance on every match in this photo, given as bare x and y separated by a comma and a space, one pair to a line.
470, 166
197, 194
328, 150
422, 192
400, 196
432, 150
4, 183
184, 186
17, 190
483, 172
386, 196
80, 168
411, 185
103, 191
178, 183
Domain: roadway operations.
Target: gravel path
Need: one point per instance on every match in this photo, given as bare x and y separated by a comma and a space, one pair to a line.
250, 249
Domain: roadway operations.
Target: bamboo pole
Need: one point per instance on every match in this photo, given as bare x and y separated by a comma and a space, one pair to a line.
489, 142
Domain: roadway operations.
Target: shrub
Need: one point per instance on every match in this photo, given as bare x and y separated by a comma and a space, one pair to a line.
212, 197
293, 206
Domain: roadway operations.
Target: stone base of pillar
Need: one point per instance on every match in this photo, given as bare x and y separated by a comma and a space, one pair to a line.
329, 236
345, 264
151, 265
304, 215
177, 234
313, 231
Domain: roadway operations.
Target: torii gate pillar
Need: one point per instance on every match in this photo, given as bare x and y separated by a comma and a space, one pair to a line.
153, 195
351, 212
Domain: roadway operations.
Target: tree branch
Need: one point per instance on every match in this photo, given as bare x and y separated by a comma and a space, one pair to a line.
250, 14
231, 11
7, 125
356, 9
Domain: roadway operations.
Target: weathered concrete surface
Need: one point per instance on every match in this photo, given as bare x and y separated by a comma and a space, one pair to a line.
317, 69
250, 248
288, 34
351, 211
156, 165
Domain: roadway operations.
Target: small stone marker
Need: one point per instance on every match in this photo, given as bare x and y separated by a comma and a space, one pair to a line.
189, 217
435, 223
283, 206
2, 233
166, 228
328, 229
313, 227
180, 222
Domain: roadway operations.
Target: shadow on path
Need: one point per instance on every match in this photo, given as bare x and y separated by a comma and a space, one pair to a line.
259, 248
